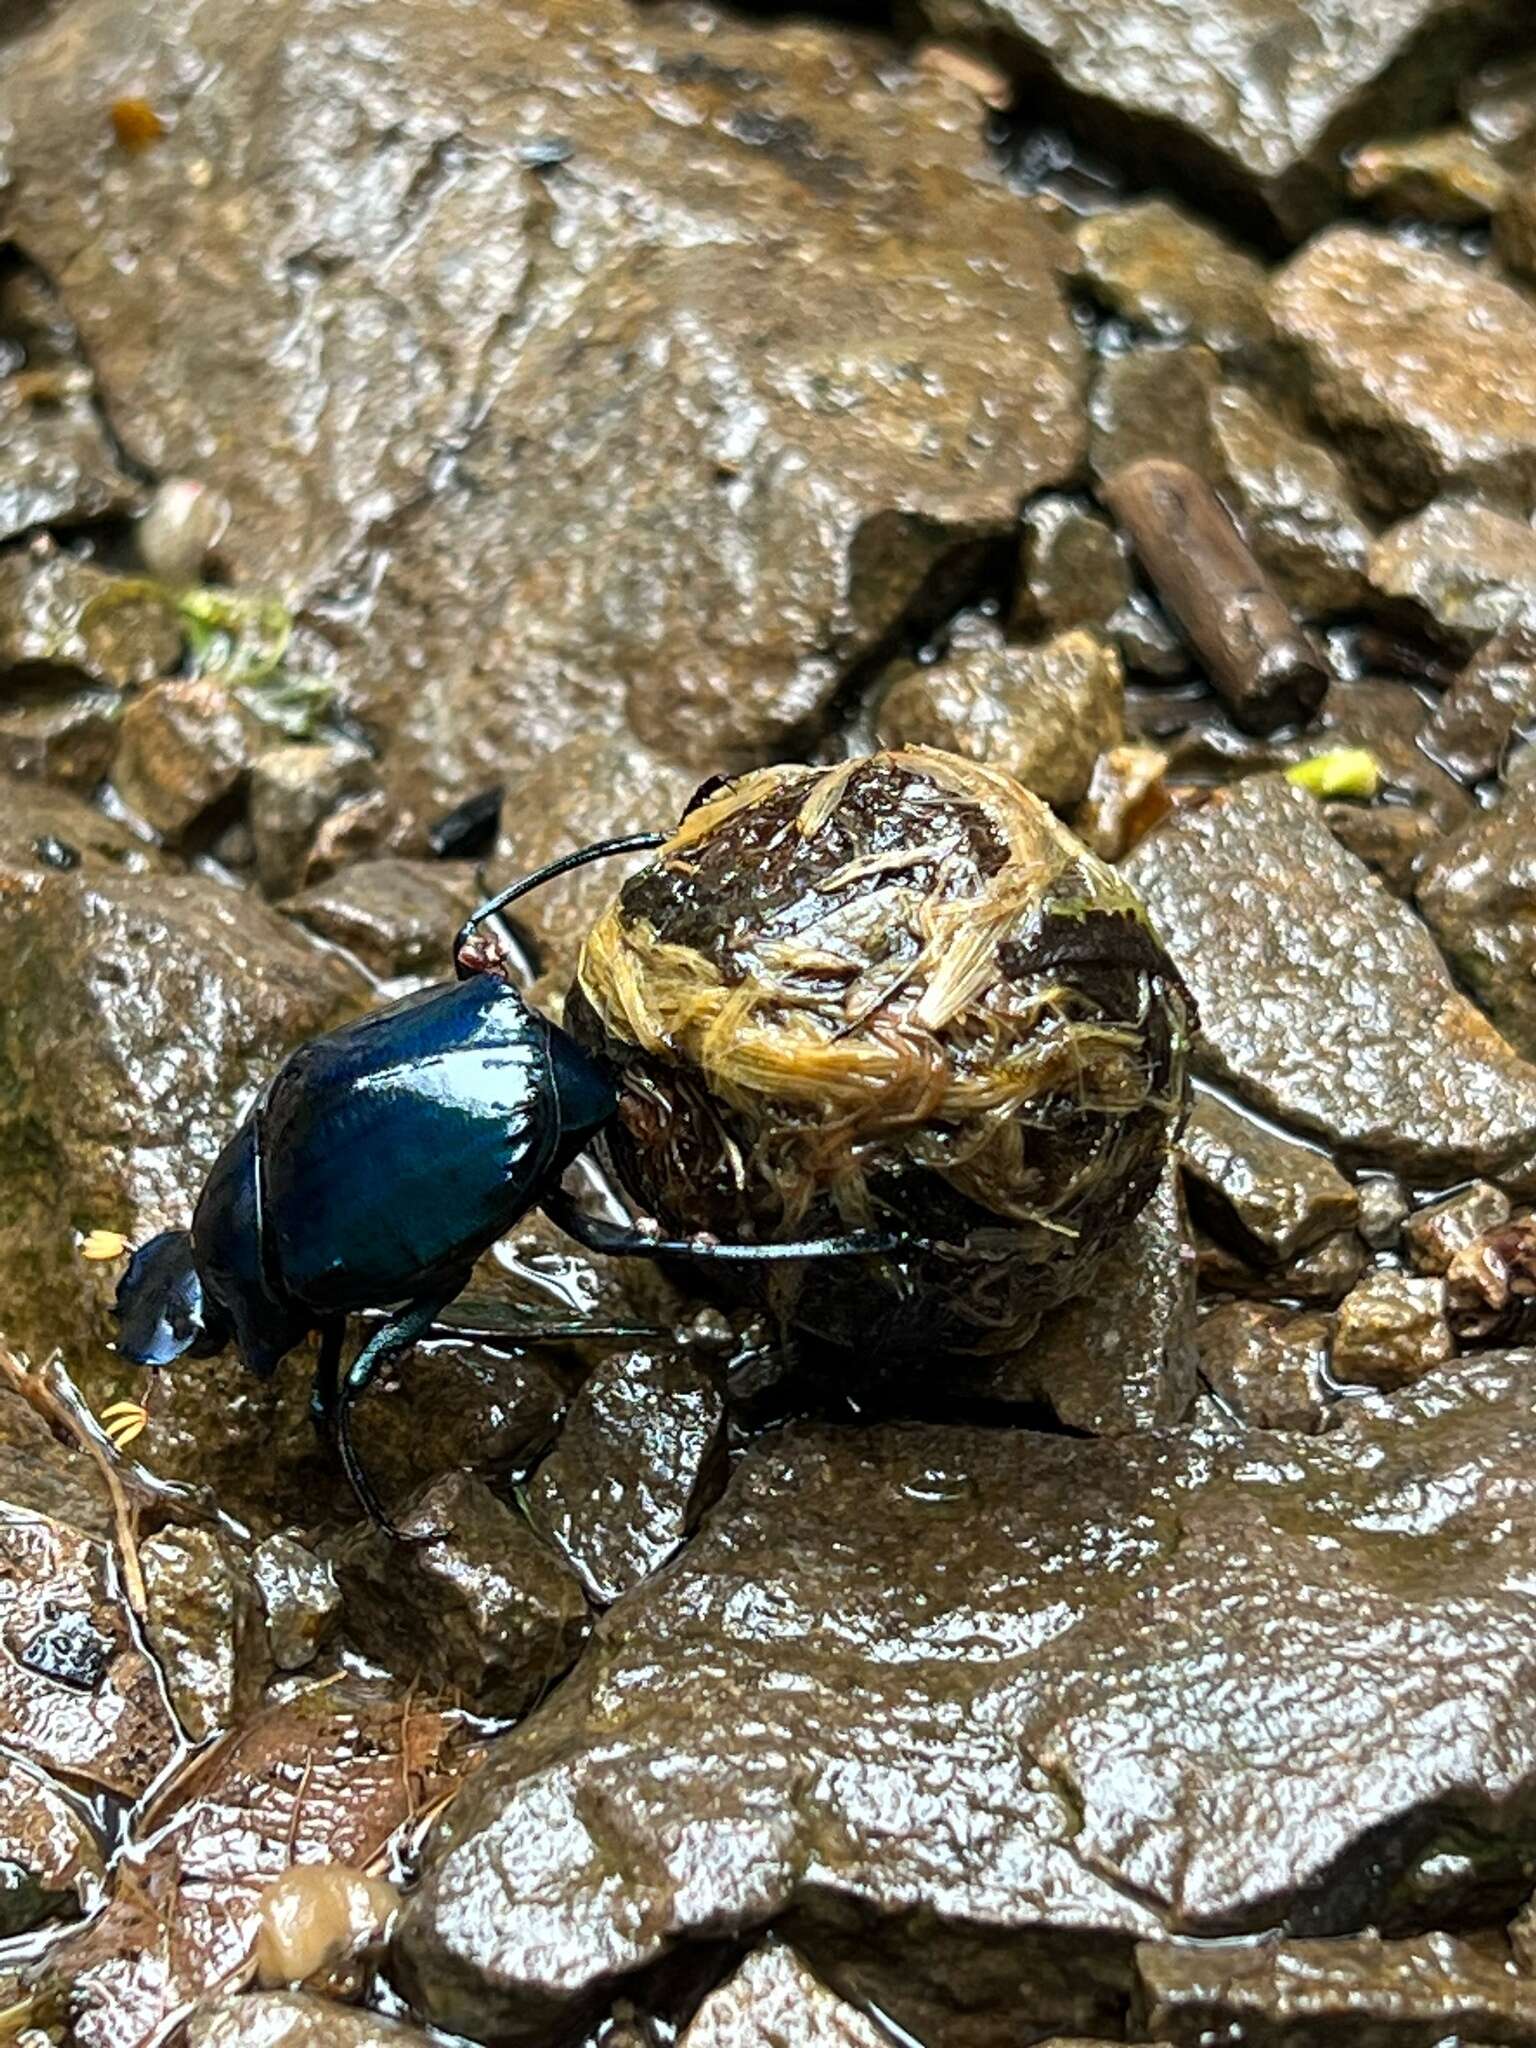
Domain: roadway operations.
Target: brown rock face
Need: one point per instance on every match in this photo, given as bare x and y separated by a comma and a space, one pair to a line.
1478, 894
1179, 81
1323, 1001
1119, 1627
895, 993
654, 376
1459, 407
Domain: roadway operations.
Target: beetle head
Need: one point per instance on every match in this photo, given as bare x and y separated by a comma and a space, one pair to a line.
161, 1308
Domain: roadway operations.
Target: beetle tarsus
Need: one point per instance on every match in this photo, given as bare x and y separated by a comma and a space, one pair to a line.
323, 1394
622, 1240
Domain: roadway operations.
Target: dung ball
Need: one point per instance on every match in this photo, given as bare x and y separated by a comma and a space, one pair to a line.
898, 994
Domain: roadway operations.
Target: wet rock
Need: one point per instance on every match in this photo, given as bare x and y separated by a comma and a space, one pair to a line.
475, 1607
1166, 272
1498, 102
396, 916
65, 622
639, 1452
1319, 1277
295, 2019
1488, 707
66, 738
1118, 1627
1383, 1206
322, 1779
202, 1626
1157, 85
802, 244
1372, 1993
1148, 640
1123, 1357
1154, 403
596, 786
456, 1404
143, 1012
1435, 1234
1468, 569
1126, 797
356, 830
51, 1864
293, 790
1478, 894
1447, 175
1490, 1284
774, 1999
1044, 714
1073, 567
1386, 1063
1268, 1196
299, 1595
1457, 408
537, 1270
1270, 1365
56, 466
1391, 1330
1515, 231
184, 745
51, 831
1293, 501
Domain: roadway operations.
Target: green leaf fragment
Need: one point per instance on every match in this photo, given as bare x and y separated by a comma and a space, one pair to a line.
1343, 771
243, 639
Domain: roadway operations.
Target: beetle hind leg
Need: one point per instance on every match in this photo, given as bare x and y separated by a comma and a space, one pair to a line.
326, 1391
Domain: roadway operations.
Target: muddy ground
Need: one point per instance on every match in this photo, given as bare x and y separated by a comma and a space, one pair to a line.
435, 433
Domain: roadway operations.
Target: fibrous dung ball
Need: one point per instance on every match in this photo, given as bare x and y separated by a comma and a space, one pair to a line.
896, 993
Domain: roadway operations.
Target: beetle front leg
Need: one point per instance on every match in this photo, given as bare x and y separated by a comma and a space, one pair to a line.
621, 1240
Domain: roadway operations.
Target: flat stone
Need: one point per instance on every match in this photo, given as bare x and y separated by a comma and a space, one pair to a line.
1369, 1992
395, 916
52, 831
774, 1999
608, 372
295, 2019
1122, 1356
1488, 708
477, 1608
299, 1597
639, 1450
1044, 714
1154, 403
1468, 570
65, 737
455, 1404
1319, 1277
1459, 407
1447, 175
184, 744
1249, 105
1385, 1062
1478, 895
1434, 1235
1269, 1365
203, 1627
1166, 272
1391, 1330
1066, 1693
1269, 1196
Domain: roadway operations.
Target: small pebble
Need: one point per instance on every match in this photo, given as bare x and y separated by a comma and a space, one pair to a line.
314, 1916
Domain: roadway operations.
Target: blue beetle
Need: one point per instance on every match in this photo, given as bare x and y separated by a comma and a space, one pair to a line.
377, 1165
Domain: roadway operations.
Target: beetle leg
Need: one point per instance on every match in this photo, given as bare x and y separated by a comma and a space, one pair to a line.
398, 1334
322, 1395
634, 842
623, 1240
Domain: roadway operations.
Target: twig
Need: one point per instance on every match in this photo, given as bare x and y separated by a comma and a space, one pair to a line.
62, 1412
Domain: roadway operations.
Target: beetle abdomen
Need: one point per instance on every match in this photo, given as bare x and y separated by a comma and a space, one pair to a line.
397, 1148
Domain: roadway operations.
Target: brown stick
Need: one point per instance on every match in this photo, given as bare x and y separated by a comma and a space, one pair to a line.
1262, 665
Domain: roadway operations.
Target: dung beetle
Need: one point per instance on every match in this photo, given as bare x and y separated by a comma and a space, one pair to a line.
375, 1167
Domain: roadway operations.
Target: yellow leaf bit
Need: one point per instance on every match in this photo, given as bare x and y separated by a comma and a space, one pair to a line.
1343, 771
103, 1244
